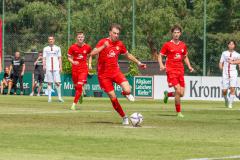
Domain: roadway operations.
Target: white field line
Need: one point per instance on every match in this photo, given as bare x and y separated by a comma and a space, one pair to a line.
51, 112
219, 158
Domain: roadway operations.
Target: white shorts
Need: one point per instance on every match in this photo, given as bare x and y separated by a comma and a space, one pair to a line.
229, 82
52, 76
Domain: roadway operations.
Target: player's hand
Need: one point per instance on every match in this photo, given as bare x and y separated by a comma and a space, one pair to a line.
191, 69
60, 70
106, 44
142, 65
22, 73
230, 61
90, 67
162, 68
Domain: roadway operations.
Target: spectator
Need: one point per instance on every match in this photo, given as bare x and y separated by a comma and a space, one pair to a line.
17, 68
7, 80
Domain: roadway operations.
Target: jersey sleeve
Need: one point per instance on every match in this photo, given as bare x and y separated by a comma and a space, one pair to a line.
59, 52
163, 51
22, 61
44, 53
185, 50
89, 49
222, 58
123, 49
100, 43
70, 51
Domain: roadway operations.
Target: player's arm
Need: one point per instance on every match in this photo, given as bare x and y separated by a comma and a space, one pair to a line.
220, 65
234, 61
187, 62
90, 62
160, 61
132, 58
60, 63
23, 69
99, 49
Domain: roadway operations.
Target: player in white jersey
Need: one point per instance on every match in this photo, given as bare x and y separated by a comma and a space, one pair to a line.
52, 64
229, 73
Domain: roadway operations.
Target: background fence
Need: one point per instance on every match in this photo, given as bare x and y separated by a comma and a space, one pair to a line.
146, 25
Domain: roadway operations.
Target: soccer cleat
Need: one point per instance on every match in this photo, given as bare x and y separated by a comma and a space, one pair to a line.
230, 106
73, 107
49, 100
60, 100
130, 98
81, 99
180, 115
165, 99
31, 94
38, 95
125, 121
21, 93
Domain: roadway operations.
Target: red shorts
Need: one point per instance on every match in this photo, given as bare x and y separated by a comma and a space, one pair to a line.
106, 81
175, 79
79, 77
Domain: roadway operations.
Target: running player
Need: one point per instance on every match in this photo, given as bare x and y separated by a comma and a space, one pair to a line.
7, 81
227, 65
108, 50
17, 68
77, 55
38, 74
175, 51
52, 64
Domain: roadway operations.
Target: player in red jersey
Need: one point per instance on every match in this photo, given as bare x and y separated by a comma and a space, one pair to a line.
176, 52
77, 55
108, 50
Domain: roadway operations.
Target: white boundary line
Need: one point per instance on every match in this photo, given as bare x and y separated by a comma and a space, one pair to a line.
219, 158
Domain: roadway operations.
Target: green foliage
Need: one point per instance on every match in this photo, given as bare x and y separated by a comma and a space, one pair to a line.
132, 70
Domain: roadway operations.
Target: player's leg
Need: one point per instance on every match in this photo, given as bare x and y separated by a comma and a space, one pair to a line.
224, 93
34, 84
2, 87
121, 80
178, 95
107, 85
10, 83
57, 80
225, 86
49, 91
233, 84
78, 93
15, 79
167, 94
21, 84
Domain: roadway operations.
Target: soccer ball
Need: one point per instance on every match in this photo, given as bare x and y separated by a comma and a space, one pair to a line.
136, 119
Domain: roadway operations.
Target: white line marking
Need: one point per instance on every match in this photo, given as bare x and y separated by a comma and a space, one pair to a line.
219, 158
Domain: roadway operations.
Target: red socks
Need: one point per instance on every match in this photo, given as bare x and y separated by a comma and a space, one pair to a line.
125, 93
178, 107
78, 93
117, 106
171, 94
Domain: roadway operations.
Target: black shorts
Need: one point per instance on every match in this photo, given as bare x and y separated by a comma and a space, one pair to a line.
38, 77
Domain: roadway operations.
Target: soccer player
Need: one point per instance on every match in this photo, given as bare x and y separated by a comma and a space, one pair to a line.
108, 50
17, 68
227, 65
7, 81
52, 64
77, 56
38, 74
175, 52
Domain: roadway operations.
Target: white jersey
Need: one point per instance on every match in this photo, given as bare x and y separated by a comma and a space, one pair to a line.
229, 70
52, 54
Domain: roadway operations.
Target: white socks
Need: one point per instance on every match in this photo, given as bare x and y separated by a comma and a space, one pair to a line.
49, 92
59, 91
231, 99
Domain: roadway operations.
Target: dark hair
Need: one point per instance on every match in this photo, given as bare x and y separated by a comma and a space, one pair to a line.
40, 51
234, 42
178, 27
115, 25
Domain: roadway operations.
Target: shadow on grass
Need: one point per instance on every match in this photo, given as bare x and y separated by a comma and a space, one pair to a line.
102, 122
167, 115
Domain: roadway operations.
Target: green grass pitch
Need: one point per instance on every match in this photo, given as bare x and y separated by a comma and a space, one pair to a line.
33, 129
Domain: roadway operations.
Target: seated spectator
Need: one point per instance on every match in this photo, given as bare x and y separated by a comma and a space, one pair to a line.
7, 80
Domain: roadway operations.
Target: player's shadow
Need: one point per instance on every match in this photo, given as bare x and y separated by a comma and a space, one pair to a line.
101, 122
166, 115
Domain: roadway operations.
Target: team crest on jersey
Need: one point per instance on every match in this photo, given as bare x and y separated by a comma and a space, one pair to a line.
177, 56
80, 56
182, 50
117, 48
84, 51
111, 54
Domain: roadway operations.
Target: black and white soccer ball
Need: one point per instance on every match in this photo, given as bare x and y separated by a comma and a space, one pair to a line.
136, 119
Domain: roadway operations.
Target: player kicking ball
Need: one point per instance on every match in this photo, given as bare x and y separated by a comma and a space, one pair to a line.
227, 65
175, 52
77, 56
108, 50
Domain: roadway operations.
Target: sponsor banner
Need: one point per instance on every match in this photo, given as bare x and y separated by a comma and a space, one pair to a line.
196, 88
143, 86
92, 88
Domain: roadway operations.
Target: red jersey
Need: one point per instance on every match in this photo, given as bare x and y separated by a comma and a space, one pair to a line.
79, 53
108, 57
175, 54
